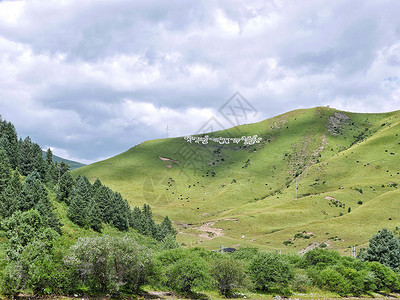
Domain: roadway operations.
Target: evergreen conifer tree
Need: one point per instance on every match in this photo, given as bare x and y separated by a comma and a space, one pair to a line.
94, 216
49, 157
32, 191
26, 163
5, 171
65, 187
9, 142
77, 210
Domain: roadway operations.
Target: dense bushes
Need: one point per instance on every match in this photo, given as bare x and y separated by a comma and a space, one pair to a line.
229, 275
111, 264
106, 264
348, 276
271, 272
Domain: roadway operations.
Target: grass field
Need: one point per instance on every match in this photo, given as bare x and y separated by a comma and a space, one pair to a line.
346, 166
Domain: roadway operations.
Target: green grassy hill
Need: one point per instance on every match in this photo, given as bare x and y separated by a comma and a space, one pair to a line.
346, 166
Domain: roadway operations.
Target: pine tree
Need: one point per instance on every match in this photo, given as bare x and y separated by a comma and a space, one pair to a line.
26, 163
83, 188
39, 163
9, 142
50, 219
62, 169
165, 228
64, 188
104, 199
8, 202
94, 216
49, 157
77, 210
120, 211
136, 217
5, 172
32, 191
15, 182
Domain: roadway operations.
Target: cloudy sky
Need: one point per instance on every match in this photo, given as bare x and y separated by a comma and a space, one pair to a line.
93, 78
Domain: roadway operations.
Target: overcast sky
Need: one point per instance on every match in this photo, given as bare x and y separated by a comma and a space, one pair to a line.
91, 79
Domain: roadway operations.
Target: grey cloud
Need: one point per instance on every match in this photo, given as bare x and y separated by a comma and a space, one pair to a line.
75, 63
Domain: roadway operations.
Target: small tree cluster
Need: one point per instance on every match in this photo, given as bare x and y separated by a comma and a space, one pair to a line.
384, 247
91, 205
32, 262
111, 264
142, 221
32, 194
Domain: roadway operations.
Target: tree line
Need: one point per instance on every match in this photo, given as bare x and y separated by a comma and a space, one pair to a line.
91, 205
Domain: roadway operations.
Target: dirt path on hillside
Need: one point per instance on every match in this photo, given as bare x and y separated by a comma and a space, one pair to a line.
209, 232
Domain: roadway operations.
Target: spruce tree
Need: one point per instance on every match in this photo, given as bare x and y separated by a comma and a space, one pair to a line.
62, 169
83, 188
39, 163
165, 228
120, 212
148, 226
50, 219
8, 202
49, 157
32, 191
94, 216
135, 220
15, 182
26, 163
77, 210
64, 188
9, 142
96, 186
104, 199
384, 247
5, 172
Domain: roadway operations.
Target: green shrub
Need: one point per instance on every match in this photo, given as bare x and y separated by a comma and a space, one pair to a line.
287, 243
169, 257
331, 280
246, 253
301, 283
229, 274
271, 272
385, 278
112, 264
187, 273
322, 258
11, 279
296, 260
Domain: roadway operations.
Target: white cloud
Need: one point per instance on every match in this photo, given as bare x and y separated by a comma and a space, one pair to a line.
95, 78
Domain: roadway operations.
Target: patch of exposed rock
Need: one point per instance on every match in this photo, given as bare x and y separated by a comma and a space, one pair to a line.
335, 123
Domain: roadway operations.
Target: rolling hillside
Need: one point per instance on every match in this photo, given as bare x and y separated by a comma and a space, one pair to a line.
346, 167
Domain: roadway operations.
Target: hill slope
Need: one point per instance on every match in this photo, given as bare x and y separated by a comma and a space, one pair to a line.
73, 164
345, 164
